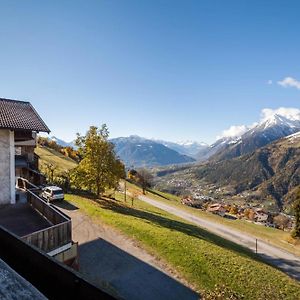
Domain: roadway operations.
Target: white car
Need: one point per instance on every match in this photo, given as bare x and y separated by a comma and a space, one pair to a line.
53, 193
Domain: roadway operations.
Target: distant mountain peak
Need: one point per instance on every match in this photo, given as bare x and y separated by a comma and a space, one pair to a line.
62, 142
279, 120
137, 151
188, 147
190, 143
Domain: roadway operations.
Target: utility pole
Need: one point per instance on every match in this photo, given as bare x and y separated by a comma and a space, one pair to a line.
125, 189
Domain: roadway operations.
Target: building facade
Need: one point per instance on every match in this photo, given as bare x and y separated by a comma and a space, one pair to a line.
19, 125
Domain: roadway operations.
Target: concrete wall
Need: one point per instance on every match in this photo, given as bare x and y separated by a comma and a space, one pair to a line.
7, 167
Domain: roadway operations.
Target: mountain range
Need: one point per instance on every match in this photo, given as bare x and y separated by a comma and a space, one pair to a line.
269, 175
262, 163
273, 169
271, 129
189, 148
62, 142
140, 152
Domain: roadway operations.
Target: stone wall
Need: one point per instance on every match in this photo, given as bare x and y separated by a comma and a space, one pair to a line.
5, 184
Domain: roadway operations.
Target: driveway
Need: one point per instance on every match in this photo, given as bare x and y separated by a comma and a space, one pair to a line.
108, 258
287, 262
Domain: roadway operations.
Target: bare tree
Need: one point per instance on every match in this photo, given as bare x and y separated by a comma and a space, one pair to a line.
144, 179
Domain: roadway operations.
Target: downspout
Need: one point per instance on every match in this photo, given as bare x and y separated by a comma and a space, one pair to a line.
12, 167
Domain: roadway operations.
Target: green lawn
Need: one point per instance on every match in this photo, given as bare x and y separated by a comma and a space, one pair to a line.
271, 235
201, 258
48, 155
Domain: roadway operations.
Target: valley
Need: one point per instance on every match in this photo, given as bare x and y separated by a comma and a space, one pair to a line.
269, 177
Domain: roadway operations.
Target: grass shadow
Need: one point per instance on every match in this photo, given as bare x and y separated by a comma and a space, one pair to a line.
186, 228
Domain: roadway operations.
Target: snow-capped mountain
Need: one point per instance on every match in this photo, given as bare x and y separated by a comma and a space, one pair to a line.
137, 151
217, 146
62, 142
189, 143
190, 148
271, 129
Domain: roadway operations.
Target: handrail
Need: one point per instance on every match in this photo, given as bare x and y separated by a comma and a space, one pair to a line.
49, 205
50, 277
58, 233
27, 182
39, 231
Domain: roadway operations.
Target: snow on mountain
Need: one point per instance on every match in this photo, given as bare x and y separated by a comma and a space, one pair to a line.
294, 136
62, 142
268, 130
138, 152
280, 121
273, 128
190, 148
189, 143
241, 139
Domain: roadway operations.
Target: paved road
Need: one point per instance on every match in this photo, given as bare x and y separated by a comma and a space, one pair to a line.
108, 258
287, 262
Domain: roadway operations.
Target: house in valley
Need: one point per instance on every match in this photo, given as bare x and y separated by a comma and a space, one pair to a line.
217, 208
261, 216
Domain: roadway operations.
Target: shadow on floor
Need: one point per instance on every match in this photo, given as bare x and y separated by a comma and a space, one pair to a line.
103, 263
21, 219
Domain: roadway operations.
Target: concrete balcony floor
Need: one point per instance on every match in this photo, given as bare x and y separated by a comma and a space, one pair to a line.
21, 219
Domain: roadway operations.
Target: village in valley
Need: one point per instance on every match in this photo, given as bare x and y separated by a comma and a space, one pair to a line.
249, 205
249, 213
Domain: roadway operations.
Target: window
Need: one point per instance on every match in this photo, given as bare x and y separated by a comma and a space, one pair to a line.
18, 150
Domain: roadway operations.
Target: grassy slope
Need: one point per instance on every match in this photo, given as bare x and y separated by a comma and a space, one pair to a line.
202, 258
48, 155
273, 236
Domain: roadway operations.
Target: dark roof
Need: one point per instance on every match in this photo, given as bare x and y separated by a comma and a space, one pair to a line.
16, 114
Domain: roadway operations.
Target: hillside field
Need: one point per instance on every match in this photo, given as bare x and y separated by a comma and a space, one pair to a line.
202, 259
48, 155
276, 237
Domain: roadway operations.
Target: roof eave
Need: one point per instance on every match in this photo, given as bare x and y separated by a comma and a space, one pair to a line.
27, 129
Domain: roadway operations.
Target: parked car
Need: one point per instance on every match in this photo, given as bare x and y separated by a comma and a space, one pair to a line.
51, 193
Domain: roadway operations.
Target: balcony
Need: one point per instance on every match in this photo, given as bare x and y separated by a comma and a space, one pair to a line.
29, 160
53, 237
38, 223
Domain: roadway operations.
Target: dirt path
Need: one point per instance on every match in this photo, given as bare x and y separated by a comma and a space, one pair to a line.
108, 257
285, 261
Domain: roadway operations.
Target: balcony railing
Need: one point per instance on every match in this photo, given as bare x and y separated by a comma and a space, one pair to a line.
50, 277
58, 234
27, 160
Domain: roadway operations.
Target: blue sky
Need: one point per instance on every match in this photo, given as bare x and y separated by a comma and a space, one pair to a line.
173, 70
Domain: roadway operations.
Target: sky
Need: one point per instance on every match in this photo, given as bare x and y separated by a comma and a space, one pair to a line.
172, 70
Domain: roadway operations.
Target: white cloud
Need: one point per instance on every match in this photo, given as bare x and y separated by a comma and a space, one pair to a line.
233, 131
289, 82
270, 82
288, 112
